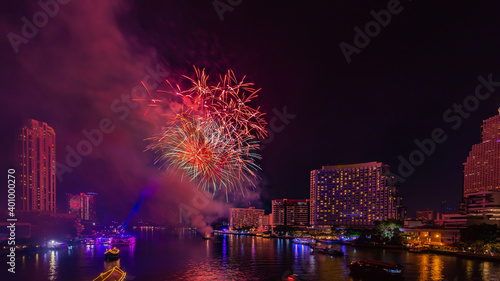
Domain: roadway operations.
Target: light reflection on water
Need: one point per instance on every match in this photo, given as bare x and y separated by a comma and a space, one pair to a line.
52, 265
185, 256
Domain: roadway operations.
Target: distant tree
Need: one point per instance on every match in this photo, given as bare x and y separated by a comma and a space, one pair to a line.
352, 232
484, 233
388, 228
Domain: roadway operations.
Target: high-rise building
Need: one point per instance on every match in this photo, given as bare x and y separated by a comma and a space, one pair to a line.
482, 169
84, 205
290, 212
245, 217
37, 154
353, 195
482, 176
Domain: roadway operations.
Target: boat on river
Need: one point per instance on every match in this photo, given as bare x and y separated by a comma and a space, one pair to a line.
114, 274
123, 239
377, 270
112, 254
304, 241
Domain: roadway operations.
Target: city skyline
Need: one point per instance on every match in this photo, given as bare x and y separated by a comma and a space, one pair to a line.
320, 112
488, 128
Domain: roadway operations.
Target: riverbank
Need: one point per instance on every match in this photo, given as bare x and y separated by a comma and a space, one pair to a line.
451, 252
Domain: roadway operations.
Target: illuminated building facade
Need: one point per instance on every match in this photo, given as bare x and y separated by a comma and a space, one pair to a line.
244, 217
483, 207
482, 176
37, 152
265, 222
353, 195
482, 169
83, 205
290, 212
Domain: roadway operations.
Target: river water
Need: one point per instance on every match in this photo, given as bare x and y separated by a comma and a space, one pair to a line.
167, 255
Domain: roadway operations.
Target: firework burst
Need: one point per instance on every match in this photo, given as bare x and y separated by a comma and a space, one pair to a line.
213, 140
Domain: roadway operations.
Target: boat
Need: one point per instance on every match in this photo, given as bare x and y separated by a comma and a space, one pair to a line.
207, 236
111, 254
53, 245
377, 270
266, 235
123, 240
318, 248
333, 252
104, 240
304, 241
327, 251
415, 249
114, 274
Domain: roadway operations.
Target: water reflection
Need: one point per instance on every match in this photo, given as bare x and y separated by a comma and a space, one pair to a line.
436, 268
485, 270
52, 265
108, 265
231, 257
224, 253
131, 250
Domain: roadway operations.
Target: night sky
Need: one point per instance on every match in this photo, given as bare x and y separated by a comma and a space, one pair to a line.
395, 90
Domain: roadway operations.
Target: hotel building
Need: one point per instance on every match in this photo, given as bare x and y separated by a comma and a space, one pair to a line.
353, 195
290, 212
482, 176
83, 205
37, 154
244, 217
266, 222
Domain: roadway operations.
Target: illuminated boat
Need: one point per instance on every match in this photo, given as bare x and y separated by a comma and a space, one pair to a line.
123, 240
377, 269
53, 245
104, 240
115, 274
207, 236
305, 241
415, 249
266, 235
111, 254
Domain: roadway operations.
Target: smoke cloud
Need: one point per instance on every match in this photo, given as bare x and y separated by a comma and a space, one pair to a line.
85, 66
